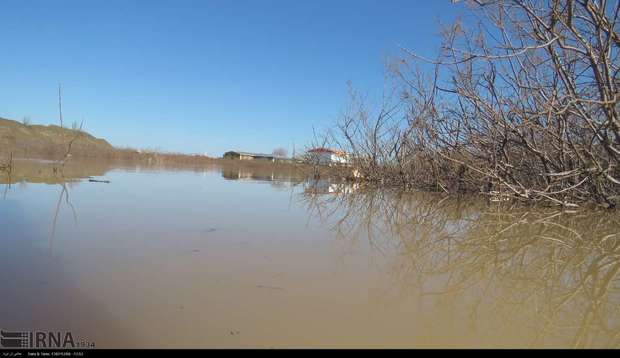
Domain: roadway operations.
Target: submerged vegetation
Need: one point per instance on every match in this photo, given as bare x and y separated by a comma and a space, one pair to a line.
521, 105
6, 167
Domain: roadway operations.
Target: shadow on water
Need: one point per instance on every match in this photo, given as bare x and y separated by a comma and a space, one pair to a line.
544, 278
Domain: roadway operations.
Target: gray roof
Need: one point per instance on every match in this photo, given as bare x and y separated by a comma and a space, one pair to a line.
250, 154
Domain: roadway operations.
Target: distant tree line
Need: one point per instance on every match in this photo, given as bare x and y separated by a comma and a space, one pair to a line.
280, 152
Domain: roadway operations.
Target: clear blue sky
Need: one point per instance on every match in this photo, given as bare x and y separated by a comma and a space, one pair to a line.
203, 76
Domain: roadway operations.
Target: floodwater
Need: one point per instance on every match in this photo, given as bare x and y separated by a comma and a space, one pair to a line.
235, 256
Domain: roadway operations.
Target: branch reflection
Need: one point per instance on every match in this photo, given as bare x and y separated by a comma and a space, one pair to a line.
551, 276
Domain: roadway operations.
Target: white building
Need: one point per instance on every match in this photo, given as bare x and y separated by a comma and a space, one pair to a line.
326, 156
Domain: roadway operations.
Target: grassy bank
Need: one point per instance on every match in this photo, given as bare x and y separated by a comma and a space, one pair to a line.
22, 140
38, 141
26, 141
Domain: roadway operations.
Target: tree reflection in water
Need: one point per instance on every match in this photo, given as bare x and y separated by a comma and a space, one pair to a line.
550, 275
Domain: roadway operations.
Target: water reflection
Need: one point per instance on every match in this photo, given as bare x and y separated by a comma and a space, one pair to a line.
536, 277
199, 251
262, 173
314, 186
64, 194
52, 172
55, 172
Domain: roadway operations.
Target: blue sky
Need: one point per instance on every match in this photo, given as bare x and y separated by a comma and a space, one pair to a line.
203, 76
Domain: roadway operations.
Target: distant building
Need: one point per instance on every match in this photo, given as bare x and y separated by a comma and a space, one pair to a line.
326, 156
248, 156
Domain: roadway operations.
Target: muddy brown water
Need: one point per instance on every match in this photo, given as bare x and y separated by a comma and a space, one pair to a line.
234, 256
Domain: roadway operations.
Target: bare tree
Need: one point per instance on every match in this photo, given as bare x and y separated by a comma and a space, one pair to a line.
280, 152
524, 103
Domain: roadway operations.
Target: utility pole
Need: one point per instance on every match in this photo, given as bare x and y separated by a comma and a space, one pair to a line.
60, 103
293, 156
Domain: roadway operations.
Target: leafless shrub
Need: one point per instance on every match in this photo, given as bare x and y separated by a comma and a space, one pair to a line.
77, 132
523, 104
280, 152
7, 168
8, 165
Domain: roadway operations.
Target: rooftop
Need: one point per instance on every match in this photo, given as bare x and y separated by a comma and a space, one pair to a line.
328, 150
250, 154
